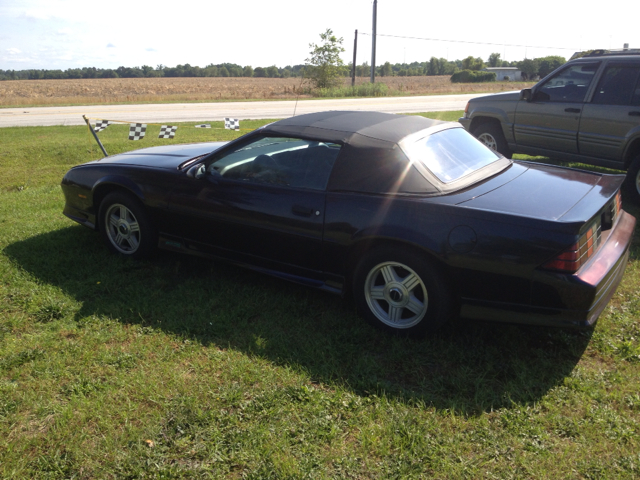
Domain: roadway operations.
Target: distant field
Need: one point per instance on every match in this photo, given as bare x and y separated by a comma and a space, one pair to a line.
160, 90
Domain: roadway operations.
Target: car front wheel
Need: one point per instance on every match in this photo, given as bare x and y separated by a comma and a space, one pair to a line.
125, 226
401, 292
491, 135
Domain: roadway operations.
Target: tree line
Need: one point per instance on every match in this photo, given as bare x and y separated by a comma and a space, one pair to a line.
530, 68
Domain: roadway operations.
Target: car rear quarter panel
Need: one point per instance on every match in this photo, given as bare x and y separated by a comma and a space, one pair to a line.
495, 263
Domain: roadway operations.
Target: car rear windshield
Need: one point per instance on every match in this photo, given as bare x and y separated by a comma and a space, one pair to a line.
451, 154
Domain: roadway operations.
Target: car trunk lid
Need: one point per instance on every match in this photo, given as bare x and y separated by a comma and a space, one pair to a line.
550, 193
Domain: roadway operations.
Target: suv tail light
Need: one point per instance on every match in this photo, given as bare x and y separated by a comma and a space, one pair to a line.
570, 260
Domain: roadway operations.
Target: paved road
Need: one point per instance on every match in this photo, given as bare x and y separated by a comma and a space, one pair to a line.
196, 112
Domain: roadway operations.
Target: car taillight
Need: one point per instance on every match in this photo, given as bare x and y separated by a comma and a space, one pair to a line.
611, 213
466, 109
616, 207
570, 260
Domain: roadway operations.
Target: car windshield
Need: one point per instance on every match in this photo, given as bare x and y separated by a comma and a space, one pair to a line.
451, 154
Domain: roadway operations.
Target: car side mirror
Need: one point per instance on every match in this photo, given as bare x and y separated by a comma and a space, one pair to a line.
197, 171
526, 94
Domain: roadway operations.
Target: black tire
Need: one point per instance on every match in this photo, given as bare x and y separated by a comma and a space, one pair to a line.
401, 292
491, 135
632, 182
125, 226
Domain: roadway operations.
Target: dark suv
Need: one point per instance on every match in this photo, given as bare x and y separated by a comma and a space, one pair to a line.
587, 111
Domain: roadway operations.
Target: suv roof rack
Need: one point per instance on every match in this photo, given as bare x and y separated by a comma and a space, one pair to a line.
621, 51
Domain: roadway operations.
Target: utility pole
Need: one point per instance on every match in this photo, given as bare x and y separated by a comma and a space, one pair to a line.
373, 41
355, 51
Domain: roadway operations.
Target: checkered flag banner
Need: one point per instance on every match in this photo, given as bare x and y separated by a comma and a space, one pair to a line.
137, 131
101, 125
167, 131
231, 123
204, 125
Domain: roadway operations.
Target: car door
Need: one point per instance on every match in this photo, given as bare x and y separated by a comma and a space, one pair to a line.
613, 113
550, 120
261, 204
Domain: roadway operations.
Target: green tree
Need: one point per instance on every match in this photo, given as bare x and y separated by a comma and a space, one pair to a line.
272, 71
471, 63
386, 70
363, 70
494, 60
324, 66
549, 64
109, 74
529, 68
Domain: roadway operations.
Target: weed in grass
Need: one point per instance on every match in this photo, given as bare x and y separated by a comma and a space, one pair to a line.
56, 464
18, 359
49, 311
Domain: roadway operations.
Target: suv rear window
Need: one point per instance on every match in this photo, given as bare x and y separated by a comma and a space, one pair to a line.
619, 85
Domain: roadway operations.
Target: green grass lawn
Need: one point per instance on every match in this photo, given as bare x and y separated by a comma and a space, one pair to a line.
177, 367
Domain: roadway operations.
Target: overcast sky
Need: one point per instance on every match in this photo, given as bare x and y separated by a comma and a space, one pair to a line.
62, 34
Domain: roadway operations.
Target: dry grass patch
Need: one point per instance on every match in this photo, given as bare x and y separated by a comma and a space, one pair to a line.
208, 89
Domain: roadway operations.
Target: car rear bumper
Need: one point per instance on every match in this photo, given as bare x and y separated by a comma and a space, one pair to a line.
592, 286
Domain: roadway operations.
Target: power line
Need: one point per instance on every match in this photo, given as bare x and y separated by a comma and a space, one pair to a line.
466, 41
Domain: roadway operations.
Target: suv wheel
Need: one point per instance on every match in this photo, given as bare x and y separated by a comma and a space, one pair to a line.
632, 182
491, 135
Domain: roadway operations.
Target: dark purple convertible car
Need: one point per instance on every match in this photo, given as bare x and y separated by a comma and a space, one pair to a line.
414, 217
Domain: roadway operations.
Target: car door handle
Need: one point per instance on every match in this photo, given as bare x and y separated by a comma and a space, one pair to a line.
572, 110
304, 211
634, 114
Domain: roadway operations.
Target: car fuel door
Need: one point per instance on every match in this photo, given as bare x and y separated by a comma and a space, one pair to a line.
550, 118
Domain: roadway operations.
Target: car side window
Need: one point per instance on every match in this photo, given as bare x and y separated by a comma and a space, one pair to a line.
618, 86
635, 99
282, 161
567, 86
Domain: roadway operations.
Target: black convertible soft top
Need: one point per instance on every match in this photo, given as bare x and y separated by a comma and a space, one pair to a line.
340, 126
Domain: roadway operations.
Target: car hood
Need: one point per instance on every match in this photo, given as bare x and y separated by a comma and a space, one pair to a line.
509, 96
169, 156
548, 193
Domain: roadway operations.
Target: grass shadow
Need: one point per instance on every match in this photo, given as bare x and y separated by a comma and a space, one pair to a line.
467, 367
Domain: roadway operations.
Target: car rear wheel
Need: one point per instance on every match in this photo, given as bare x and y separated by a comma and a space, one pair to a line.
632, 182
125, 226
401, 292
491, 135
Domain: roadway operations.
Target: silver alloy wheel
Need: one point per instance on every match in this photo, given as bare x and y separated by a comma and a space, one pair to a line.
122, 228
396, 295
489, 140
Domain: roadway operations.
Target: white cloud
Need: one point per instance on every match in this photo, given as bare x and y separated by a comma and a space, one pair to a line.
64, 31
110, 45
13, 51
